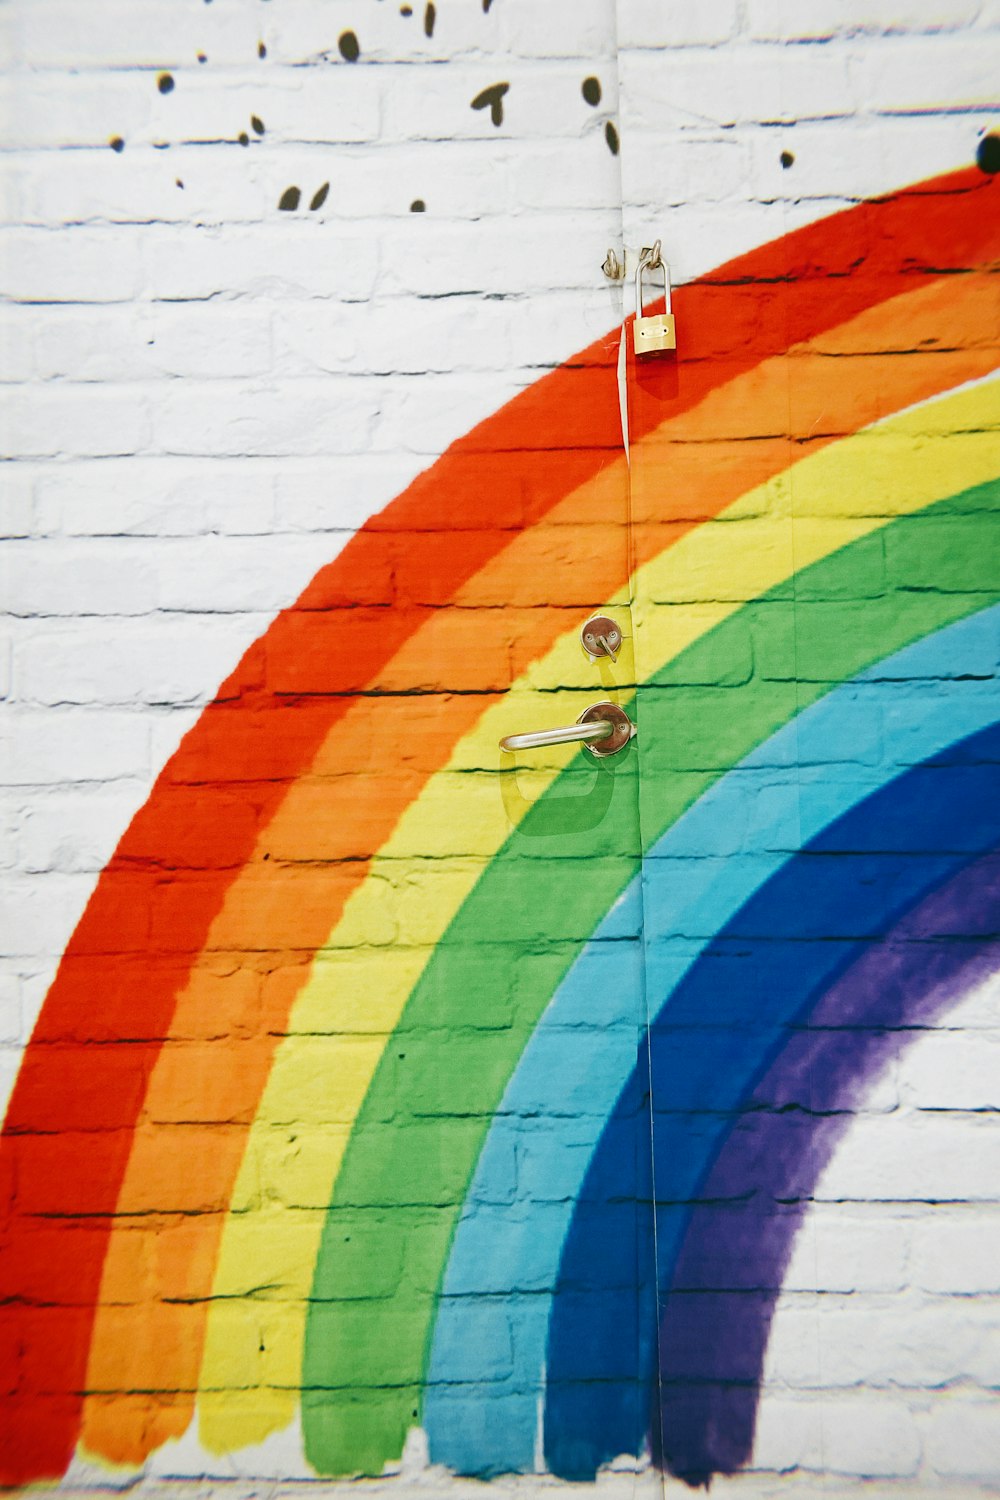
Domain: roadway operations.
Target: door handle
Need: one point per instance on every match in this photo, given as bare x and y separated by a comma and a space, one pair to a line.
603, 727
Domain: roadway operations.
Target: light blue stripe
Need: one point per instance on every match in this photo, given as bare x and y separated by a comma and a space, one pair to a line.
531, 1170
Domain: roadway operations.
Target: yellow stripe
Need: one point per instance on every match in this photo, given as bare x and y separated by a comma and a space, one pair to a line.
353, 1000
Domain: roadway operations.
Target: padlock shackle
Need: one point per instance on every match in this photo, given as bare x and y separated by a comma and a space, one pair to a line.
651, 260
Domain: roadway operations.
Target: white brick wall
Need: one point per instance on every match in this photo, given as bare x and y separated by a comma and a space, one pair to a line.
208, 395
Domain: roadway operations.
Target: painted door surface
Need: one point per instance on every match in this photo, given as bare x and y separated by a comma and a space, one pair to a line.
400, 1106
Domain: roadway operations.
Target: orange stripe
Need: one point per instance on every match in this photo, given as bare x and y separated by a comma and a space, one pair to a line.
202, 1094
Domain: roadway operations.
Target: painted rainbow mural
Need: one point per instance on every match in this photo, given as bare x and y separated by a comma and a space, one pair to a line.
405, 1067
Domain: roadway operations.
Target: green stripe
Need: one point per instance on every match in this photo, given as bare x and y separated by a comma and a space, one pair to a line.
418, 1135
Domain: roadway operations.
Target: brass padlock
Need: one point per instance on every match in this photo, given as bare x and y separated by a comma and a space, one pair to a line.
651, 335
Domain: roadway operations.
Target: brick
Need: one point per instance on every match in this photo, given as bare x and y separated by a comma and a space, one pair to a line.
155, 497
958, 1256
78, 578
817, 20
912, 1158
73, 834
647, 23
297, 258
75, 745
199, 341
295, 418
71, 265
16, 502
163, 661
962, 1433
81, 420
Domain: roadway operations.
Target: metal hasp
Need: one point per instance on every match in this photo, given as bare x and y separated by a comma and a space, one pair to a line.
603, 727
601, 637
653, 335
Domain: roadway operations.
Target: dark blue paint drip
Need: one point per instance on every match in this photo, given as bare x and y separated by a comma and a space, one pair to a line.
731, 1032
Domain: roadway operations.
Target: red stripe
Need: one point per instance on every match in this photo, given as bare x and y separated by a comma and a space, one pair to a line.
75, 1106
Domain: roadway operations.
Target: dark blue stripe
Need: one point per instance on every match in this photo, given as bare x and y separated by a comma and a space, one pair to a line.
712, 1041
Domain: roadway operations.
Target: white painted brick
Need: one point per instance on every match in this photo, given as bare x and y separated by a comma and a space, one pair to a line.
296, 417
204, 185
73, 265
71, 833
959, 1257
10, 1061
36, 911
650, 23
99, 420
872, 1341
908, 1157
850, 159
201, 339
305, 31
870, 1435
317, 104
951, 1071
585, 29
297, 258
310, 497
79, 745
10, 1009
10, 812
689, 90
219, 574
537, 255
61, 33
155, 497
706, 171
418, 414
163, 661
54, 109
963, 1438
369, 338
541, 101
76, 578
450, 180
16, 501
908, 77
847, 1257
789, 1435
815, 20
16, 344
576, 174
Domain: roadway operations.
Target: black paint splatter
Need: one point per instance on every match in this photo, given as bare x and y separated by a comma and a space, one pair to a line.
116, 143
430, 16
486, 7
319, 196
261, 50
179, 183
591, 90
165, 83
418, 206
786, 159
348, 44
988, 154
202, 58
493, 96
243, 138
257, 123
289, 200
611, 136
406, 10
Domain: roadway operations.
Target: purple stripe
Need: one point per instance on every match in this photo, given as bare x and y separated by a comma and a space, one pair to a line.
717, 1314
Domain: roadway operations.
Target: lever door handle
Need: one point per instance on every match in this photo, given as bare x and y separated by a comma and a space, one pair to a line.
603, 727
